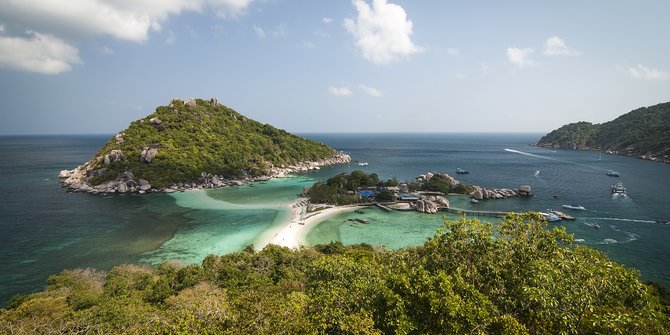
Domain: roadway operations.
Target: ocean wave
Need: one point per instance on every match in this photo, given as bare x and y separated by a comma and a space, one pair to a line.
628, 220
529, 154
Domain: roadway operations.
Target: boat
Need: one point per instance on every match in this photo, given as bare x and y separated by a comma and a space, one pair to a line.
363, 164
612, 173
575, 207
618, 189
461, 171
562, 215
596, 226
551, 217
362, 220
358, 211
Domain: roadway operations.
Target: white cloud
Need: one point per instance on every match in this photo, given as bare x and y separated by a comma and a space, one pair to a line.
259, 31
453, 51
306, 44
642, 72
171, 38
520, 57
105, 50
382, 32
484, 67
38, 53
2, 28
555, 46
280, 31
371, 91
122, 19
327, 20
340, 91
460, 75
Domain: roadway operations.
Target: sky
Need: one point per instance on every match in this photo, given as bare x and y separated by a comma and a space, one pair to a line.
94, 66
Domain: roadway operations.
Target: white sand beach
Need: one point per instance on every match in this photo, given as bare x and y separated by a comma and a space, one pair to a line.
292, 233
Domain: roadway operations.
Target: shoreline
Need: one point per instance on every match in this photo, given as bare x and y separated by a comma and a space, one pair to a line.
76, 180
292, 232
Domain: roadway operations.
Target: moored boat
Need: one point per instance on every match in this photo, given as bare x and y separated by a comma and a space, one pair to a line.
461, 171
575, 207
551, 217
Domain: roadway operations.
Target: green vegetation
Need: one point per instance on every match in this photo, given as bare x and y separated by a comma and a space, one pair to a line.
440, 183
642, 132
525, 280
207, 137
340, 190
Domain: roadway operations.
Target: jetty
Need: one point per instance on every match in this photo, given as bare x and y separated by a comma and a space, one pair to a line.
495, 214
387, 209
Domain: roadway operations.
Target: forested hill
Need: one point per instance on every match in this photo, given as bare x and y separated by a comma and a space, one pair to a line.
472, 278
187, 141
642, 133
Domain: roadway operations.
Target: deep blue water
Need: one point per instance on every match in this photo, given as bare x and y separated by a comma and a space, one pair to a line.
45, 230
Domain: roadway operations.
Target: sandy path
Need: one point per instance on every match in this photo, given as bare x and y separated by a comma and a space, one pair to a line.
292, 233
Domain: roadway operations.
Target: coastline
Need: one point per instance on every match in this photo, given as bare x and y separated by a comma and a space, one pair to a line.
77, 179
292, 232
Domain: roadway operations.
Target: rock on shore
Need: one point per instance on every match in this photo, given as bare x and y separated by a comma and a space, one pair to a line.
77, 179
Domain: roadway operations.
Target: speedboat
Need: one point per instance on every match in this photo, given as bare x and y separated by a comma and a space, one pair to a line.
612, 173
576, 207
618, 189
551, 217
363, 164
461, 171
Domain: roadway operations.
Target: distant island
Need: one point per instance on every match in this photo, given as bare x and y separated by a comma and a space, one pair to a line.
195, 144
642, 133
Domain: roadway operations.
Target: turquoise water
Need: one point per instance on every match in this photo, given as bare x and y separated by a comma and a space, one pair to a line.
45, 230
228, 219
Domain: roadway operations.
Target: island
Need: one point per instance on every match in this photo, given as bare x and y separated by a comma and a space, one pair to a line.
195, 144
642, 133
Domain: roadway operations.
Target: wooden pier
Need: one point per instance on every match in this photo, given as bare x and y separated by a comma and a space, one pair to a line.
476, 213
383, 207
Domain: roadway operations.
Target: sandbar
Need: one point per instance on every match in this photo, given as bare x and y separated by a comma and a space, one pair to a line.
292, 232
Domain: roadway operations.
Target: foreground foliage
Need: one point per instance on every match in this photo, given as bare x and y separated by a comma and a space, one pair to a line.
206, 137
644, 131
525, 280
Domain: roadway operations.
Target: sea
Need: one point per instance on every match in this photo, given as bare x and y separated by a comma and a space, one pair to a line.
44, 229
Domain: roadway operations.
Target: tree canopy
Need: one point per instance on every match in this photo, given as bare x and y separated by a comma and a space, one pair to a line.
470, 278
641, 132
202, 137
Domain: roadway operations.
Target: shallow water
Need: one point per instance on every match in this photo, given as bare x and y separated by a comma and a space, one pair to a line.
46, 230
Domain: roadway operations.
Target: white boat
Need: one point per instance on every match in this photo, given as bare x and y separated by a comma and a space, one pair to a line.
576, 207
612, 173
618, 189
551, 217
363, 164
461, 171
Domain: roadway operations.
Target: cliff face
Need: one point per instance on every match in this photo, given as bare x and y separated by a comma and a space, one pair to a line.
195, 143
643, 133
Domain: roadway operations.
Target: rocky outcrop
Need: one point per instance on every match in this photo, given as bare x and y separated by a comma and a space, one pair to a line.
481, 193
77, 180
430, 204
148, 154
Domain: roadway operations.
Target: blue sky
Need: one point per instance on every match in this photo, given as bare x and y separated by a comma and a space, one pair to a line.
93, 66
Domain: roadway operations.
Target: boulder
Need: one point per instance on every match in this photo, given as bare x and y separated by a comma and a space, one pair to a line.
214, 101
420, 206
191, 103
148, 154
118, 138
477, 194
113, 156
65, 173
442, 202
